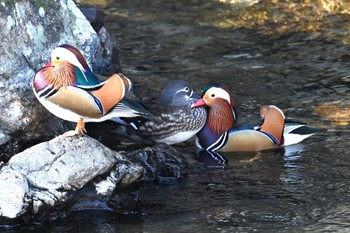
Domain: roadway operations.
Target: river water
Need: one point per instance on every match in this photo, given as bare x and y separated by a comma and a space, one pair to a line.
293, 55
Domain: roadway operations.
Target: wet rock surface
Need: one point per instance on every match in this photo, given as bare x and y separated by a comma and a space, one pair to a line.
162, 162
76, 173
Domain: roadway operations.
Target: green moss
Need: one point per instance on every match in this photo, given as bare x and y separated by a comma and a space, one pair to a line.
39, 3
43, 3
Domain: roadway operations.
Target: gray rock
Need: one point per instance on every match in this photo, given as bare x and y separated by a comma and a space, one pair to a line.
55, 171
13, 191
162, 162
107, 56
76, 173
64, 163
94, 15
29, 33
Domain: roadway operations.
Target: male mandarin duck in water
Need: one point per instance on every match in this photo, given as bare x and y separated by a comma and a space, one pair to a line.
67, 88
218, 133
174, 119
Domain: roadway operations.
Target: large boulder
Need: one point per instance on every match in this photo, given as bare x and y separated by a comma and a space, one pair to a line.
46, 175
29, 34
76, 173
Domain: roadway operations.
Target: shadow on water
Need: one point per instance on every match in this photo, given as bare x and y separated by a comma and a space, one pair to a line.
293, 55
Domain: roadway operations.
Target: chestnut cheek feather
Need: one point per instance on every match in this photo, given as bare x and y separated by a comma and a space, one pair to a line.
61, 76
220, 117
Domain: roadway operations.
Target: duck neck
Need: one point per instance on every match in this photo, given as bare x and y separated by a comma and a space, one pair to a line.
206, 137
220, 120
86, 77
274, 128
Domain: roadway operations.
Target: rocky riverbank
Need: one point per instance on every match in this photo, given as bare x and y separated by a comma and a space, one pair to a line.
60, 174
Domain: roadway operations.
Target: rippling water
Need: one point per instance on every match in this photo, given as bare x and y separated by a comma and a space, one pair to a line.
295, 56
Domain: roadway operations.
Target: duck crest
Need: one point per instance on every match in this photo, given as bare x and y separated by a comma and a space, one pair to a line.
77, 54
220, 117
60, 76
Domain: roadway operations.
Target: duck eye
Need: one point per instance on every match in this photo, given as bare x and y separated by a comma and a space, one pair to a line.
187, 88
212, 95
57, 58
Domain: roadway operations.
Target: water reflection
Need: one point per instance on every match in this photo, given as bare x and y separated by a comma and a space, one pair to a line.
214, 159
337, 112
279, 17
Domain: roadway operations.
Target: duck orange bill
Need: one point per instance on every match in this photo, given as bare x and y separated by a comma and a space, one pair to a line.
198, 103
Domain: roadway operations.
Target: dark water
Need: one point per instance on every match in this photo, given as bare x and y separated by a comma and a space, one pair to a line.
293, 56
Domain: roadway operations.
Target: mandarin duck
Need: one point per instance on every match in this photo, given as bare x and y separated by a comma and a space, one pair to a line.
68, 88
174, 120
218, 133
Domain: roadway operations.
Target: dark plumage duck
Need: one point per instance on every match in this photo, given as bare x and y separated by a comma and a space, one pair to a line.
175, 120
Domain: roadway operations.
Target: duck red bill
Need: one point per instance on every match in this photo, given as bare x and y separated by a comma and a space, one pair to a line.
48, 64
198, 103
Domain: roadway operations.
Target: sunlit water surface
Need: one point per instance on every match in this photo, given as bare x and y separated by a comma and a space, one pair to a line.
295, 56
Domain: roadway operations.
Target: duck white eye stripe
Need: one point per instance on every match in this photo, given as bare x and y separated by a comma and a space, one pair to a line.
221, 93
74, 60
66, 55
182, 90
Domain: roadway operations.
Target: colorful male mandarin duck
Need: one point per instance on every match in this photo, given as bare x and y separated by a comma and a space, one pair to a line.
175, 120
218, 135
68, 89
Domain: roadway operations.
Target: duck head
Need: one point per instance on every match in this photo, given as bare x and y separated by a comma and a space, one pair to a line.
178, 94
68, 54
227, 95
67, 67
221, 113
